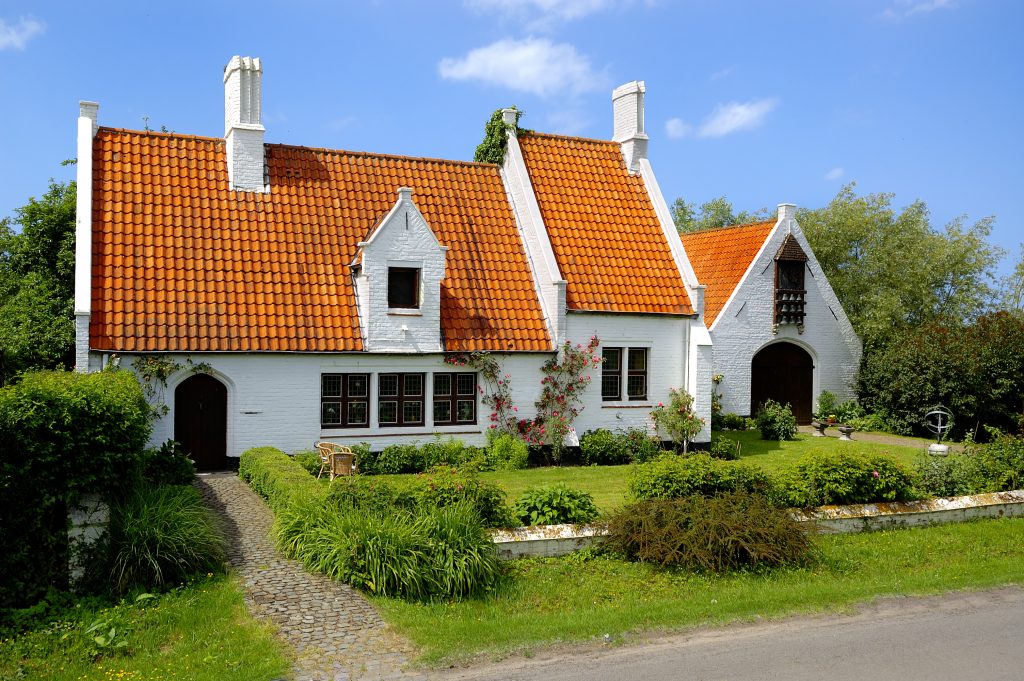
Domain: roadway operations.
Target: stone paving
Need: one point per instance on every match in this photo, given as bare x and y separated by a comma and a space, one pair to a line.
335, 633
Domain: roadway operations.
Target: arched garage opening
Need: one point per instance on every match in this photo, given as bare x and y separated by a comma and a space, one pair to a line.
783, 372
201, 421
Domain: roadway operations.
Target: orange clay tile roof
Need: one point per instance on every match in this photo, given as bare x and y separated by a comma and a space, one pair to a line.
183, 263
720, 257
603, 229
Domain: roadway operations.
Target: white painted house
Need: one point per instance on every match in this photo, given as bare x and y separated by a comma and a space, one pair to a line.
324, 288
777, 327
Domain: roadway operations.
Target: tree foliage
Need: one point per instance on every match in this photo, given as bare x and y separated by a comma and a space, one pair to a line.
1012, 289
717, 212
892, 270
37, 274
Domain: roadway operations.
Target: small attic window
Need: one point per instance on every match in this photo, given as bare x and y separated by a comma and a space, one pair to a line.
404, 287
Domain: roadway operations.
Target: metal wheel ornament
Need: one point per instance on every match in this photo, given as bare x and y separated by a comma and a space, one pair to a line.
938, 420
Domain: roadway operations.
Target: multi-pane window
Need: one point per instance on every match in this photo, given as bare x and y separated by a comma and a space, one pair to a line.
344, 400
400, 399
632, 373
403, 287
611, 374
454, 398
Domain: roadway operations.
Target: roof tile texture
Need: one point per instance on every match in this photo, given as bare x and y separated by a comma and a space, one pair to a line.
183, 263
607, 240
720, 257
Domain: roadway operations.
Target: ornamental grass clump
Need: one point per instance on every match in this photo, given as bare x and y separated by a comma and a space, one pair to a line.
161, 536
730, 531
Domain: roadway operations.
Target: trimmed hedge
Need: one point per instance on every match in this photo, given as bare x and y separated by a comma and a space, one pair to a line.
277, 477
844, 478
62, 434
671, 476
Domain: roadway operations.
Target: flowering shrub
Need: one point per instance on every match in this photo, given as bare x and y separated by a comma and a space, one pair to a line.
844, 478
678, 419
498, 396
565, 378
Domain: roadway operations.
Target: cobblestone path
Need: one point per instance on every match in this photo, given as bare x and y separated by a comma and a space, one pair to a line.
336, 634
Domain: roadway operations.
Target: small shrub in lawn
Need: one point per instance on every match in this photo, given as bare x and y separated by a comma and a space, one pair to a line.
844, 478
602, 447
776, 421
724, 448
443, 486
554, 505
166, 465
674, 477
506, 452
726, 532
732, 421
309, 460
160, 536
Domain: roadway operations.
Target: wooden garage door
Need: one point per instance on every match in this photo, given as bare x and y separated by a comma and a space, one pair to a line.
783, 372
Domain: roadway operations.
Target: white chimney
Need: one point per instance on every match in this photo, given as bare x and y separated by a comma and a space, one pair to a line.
628, 108
243, 126
787, 211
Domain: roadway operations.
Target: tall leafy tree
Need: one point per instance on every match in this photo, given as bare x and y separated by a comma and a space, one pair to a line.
1012, 294
37, 273
891, 269
717, 212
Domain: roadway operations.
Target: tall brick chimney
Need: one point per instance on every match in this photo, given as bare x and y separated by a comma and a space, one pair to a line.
243, 126
628, 109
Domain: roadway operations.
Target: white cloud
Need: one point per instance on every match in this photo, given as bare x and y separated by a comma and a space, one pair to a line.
902, 9
542, 14
676, 128
735, 116
16, 36
534, 65
722, 73
835, 173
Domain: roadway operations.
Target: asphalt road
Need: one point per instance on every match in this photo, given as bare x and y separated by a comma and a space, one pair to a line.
962, 636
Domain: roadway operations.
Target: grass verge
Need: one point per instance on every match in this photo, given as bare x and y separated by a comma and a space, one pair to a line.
199, 631
558, 600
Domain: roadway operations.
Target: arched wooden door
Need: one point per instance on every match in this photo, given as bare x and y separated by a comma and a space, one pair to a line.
201, 421
783, 372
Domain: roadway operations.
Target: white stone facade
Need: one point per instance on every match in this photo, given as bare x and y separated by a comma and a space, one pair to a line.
403, 239
745, 325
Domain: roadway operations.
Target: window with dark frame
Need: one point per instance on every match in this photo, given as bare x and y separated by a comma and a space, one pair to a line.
403, 287
636, 374
454, 398
344, 400
611, 374
400, 399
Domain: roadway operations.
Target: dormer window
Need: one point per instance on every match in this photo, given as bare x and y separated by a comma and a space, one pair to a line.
404, 287
790, 290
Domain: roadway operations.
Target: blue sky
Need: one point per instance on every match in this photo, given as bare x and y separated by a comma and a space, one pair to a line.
763, 102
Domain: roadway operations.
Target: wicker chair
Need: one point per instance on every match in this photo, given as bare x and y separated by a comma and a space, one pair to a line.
335, 459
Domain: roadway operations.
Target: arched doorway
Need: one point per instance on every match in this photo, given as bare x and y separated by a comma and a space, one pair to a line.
201, 421
783, 372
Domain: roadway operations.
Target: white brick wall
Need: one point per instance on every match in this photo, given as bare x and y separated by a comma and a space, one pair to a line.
744, 327
403, 239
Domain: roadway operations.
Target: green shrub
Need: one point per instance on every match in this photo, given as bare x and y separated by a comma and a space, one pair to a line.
601, 447
827, 406
642, 447
446, 450
732, 421
724, 448
844, 478
507, 453
277, 477
166, 465
61, 434
400, 459
776, 421
994, 467
370, 493
945, 476
678, 419
160, 536
554, 505
674, 477
309, 460
726, 532
444, 486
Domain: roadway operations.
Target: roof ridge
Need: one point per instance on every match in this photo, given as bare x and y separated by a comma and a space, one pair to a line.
534, 133
375, 154
743, 225
159, 133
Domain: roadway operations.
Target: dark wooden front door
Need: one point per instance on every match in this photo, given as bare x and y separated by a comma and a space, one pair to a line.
783, 372
201, 421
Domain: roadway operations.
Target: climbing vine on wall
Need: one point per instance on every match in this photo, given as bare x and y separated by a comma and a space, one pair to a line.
495, 142
154, 370
498, 395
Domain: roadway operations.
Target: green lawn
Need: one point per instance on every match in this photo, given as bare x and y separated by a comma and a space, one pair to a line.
607, 484
199, 632
579, 598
